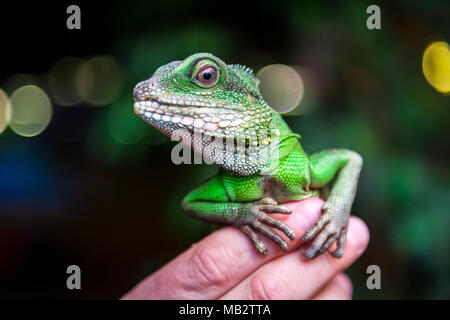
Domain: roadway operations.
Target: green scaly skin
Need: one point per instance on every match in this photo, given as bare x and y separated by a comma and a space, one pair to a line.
204, 97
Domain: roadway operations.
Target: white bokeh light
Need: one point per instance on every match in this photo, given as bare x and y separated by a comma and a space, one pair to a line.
281, 87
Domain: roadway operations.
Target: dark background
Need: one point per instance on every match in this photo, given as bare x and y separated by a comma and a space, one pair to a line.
75, 194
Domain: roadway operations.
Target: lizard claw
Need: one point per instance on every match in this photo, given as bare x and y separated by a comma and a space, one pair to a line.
329, 229
259, 220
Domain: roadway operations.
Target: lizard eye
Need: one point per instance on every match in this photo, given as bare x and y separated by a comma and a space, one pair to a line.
207, 77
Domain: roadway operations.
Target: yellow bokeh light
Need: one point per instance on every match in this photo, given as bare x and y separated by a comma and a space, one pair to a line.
281, 87
5, 111
436, 66
31, 111
99, 80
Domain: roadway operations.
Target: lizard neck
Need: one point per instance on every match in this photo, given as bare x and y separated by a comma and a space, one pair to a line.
265, 156
285, 131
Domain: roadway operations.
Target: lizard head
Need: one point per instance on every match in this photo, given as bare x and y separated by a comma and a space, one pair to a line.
203, 94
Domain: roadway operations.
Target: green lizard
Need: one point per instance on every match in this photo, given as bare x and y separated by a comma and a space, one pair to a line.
215, 108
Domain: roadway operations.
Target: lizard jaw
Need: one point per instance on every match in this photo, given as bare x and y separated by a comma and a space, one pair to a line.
168, 112
170, 117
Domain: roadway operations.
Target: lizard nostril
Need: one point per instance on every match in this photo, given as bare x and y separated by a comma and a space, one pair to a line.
152, 83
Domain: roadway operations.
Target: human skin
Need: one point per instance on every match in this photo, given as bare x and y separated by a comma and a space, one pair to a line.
224, 265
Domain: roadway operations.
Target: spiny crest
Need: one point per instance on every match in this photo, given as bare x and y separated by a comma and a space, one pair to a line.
246, 73
243, 68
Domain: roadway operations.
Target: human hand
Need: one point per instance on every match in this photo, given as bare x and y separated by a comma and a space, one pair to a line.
225, 265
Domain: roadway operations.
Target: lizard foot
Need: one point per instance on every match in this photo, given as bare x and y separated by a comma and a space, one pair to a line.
256, 218
331, 228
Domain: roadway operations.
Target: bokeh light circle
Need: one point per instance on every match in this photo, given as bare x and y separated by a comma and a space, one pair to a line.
62, 81
281, 87
436, 66
31, 111
99, 80
5, 111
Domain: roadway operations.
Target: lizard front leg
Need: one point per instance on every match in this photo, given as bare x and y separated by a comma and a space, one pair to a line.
210, 203
332, 226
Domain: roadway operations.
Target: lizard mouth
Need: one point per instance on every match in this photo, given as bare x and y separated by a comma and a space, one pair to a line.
188, 113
